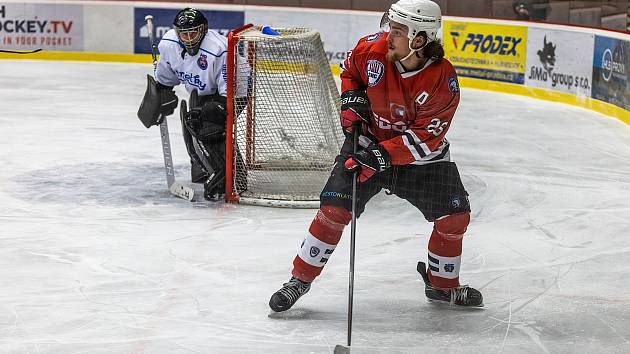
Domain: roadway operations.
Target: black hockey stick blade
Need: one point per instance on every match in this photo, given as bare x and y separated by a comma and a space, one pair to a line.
20, 52
341, 349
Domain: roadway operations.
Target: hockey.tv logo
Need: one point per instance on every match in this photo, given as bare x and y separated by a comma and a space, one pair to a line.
488, 43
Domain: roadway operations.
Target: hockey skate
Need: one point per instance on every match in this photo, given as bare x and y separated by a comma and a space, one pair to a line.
462, 295
213, 188
290, 292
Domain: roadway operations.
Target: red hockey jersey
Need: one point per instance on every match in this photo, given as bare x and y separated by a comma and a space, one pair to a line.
411, 111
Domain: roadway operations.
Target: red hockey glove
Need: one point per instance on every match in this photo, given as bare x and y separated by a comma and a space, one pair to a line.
355, 107
367, 162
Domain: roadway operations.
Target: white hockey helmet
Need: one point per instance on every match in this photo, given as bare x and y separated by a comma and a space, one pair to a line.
418, 16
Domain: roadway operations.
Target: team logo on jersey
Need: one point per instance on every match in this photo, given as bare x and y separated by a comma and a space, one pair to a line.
397, 111
314, 251
453, 85
375, 70
202, 61
373, 37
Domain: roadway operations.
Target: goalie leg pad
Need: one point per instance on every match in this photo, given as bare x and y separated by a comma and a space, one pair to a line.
320, 242
206, 119
213, 156
445, 249
198, 169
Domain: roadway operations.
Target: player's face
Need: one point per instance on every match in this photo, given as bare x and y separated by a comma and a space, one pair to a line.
397, 41
188, 36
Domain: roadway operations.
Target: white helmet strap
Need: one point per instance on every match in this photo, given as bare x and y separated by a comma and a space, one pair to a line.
412, 50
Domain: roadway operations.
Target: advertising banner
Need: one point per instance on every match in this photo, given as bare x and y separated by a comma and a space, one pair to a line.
221, 21
26, 26
339, 32
486, 51
611, 71
553, 61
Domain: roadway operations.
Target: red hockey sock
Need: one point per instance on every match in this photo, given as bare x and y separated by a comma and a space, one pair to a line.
445, 250
320, 242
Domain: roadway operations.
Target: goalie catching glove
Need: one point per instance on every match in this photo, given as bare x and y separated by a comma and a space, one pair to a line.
368, 161
159, 101
355, 108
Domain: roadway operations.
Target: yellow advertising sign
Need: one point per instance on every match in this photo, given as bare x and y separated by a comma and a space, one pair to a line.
486, 51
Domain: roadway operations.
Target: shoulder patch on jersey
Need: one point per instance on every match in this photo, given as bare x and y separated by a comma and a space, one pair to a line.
373, 37
202, 61
453, 85
375, 70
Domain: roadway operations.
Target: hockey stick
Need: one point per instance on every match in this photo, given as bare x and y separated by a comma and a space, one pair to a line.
340, 349
174, 187
20, 52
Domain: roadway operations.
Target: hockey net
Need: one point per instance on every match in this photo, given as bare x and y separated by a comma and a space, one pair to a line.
283, 109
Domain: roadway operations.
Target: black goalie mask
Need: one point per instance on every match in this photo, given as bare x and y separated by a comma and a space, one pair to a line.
191, 27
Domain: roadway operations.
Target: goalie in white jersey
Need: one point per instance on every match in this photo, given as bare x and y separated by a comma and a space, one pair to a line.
195, 56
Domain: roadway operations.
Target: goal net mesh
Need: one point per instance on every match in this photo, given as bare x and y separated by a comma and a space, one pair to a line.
286, 109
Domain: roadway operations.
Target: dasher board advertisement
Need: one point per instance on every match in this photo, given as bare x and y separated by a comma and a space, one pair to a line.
611, 71
220, 21
486, 51
340, 32
27, 26
560, 60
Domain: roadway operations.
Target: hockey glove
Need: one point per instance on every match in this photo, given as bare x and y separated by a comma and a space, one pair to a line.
368, 161
159, 101
355, 107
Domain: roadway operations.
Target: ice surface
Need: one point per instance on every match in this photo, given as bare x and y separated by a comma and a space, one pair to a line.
97, 257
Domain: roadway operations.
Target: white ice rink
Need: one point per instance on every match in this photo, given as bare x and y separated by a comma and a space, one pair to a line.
97, 257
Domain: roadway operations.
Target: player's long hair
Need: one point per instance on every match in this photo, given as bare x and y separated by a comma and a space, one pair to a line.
433, 49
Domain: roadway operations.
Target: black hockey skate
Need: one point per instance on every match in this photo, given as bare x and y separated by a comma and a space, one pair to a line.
290, 292
214, 187
462, 295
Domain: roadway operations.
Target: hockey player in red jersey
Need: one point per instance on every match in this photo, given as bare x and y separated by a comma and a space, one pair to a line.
402, 91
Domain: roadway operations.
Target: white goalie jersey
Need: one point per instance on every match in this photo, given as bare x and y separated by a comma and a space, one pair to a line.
206, 71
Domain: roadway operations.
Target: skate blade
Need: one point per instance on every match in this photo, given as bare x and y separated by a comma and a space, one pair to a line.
290, 314
341, 349
454, 306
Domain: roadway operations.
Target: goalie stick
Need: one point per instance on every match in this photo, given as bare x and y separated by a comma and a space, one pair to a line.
174, 187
